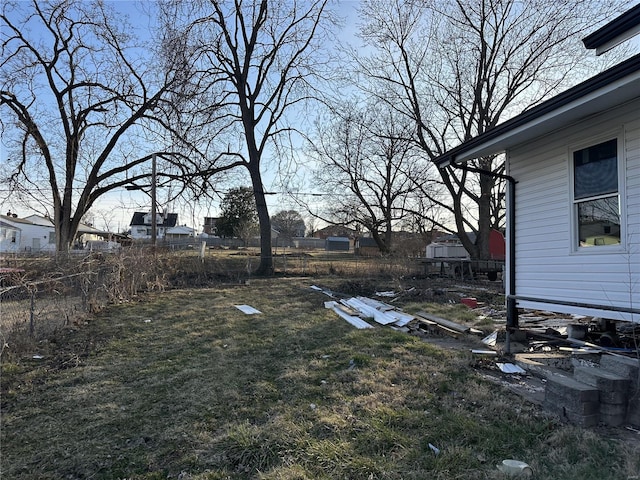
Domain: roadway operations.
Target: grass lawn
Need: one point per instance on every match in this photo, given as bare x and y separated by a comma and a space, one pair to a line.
184, 385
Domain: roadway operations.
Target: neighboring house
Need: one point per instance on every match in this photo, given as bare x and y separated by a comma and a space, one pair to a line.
335, 231
37, 234
141, 225
32, 238
179, 233
573, 208
210, 227
9, 237
84, 235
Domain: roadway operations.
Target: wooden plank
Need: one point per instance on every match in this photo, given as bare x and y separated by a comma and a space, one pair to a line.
445, 323
248, 309
369, 311
442, 328
355, 321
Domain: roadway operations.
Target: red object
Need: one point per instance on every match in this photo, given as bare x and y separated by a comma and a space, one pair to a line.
469, 302
496, 245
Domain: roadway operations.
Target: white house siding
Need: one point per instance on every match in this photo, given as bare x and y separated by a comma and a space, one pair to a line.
9, 238
33, 238
547, 265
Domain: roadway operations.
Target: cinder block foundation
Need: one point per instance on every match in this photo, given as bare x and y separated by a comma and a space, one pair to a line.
602, 390
572, 400
626, 367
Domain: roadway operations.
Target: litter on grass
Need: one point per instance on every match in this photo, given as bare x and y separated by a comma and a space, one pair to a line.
484, 352
389, 293
354, 310
510, 368
515, 468
352, 319
247, 309
491, 339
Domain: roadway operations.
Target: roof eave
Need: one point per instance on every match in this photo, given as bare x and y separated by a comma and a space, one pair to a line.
608, 89
615, 32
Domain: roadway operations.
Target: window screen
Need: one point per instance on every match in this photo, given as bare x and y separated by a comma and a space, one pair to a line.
596, 170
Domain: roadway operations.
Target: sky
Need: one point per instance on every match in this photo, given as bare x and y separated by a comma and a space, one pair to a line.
115, 209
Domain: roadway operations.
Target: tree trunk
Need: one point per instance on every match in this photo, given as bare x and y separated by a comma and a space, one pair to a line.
265, 267
484, 217
62, 225
382, 243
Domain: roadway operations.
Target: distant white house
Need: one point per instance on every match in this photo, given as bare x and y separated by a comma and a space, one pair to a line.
573, 229
141, 225
180, 232
37, 234
22, 235
10, 236
84, 235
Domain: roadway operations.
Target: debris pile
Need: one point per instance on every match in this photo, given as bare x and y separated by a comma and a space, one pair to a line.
572, 365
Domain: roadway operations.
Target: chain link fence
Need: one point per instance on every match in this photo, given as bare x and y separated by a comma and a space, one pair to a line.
54, 302
41, 296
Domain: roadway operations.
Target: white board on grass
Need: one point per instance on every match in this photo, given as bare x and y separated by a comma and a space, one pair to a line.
249, 310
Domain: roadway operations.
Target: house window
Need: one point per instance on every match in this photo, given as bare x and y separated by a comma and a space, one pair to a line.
595, 194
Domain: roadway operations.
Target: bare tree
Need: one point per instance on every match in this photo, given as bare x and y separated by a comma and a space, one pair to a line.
369, 169
84, 108
289, 224
260, 59
456, 69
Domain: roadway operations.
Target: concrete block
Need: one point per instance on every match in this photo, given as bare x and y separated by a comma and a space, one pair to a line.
556, 361
603, 380
535, 368
613, 409
572, 417
590, 360
614, 397
622, 366
571, 403
567, 387
612, 420
633, 408
633, 417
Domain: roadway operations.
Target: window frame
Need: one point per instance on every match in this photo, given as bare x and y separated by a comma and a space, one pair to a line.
575, 246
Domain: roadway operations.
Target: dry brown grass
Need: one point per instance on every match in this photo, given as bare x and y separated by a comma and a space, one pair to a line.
183, 385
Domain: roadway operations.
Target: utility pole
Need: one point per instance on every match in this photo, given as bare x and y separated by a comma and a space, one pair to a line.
154, 230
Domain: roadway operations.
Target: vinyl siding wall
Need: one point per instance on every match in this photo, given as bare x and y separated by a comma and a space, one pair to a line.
548, 266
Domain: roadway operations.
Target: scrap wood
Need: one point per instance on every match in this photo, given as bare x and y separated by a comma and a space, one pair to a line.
328, 293
491, 339
353, 320
445, 323
248, 309
402, 318
368, 311
510, 368
433, 325
383, 307
389, 293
